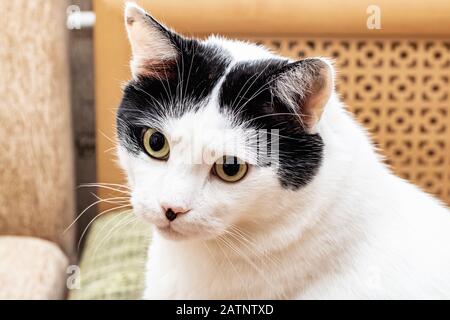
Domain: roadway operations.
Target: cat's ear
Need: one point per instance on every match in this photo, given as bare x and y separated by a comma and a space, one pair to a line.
153, 50
305, 87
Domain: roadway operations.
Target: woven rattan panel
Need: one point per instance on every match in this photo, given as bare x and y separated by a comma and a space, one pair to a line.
400, 90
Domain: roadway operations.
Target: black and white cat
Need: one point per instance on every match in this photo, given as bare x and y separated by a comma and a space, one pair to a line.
327, 219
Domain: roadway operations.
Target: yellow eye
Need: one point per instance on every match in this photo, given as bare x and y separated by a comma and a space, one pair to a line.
230, 169
155, 144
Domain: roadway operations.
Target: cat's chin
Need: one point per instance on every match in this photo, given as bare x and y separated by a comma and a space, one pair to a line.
171, 233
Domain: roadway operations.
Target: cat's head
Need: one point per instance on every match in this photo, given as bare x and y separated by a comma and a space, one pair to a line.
214, 133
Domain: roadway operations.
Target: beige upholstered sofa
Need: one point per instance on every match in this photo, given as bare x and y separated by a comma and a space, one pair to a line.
36, 186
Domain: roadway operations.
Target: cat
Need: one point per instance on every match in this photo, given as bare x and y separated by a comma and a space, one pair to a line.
318, 216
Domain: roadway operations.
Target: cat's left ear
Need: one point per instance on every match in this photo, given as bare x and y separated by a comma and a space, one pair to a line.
305, 87
154, 51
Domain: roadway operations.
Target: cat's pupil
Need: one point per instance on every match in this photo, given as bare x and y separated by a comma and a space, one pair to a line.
157, 141
231, 166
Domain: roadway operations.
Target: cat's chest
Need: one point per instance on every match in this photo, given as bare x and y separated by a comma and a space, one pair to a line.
202, 276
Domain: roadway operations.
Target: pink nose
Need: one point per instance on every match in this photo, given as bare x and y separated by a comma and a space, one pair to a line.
172, 212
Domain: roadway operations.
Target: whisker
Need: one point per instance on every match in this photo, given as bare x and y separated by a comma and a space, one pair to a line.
110, 149
124, 221
220, 238
250, 262
270, 115
255, 249
190, 67
112, 188
112, 220
84, 211
253, 82
106, 136
124, 199
93, 220
260, 90
95, 184
242, 88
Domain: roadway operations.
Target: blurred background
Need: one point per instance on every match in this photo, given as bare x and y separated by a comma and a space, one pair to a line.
62, 65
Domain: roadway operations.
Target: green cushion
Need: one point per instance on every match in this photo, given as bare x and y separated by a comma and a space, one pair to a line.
113, 260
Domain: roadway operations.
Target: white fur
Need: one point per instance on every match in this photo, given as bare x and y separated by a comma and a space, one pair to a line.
356, 231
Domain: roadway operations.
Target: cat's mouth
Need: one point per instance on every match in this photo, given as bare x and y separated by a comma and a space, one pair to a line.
173, 231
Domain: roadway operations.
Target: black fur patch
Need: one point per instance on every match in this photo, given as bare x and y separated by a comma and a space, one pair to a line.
246, 94
180, 89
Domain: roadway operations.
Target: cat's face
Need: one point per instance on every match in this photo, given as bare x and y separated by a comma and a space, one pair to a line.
213, 133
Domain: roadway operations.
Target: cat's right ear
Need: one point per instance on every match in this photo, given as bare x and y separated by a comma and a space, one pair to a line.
154, 52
